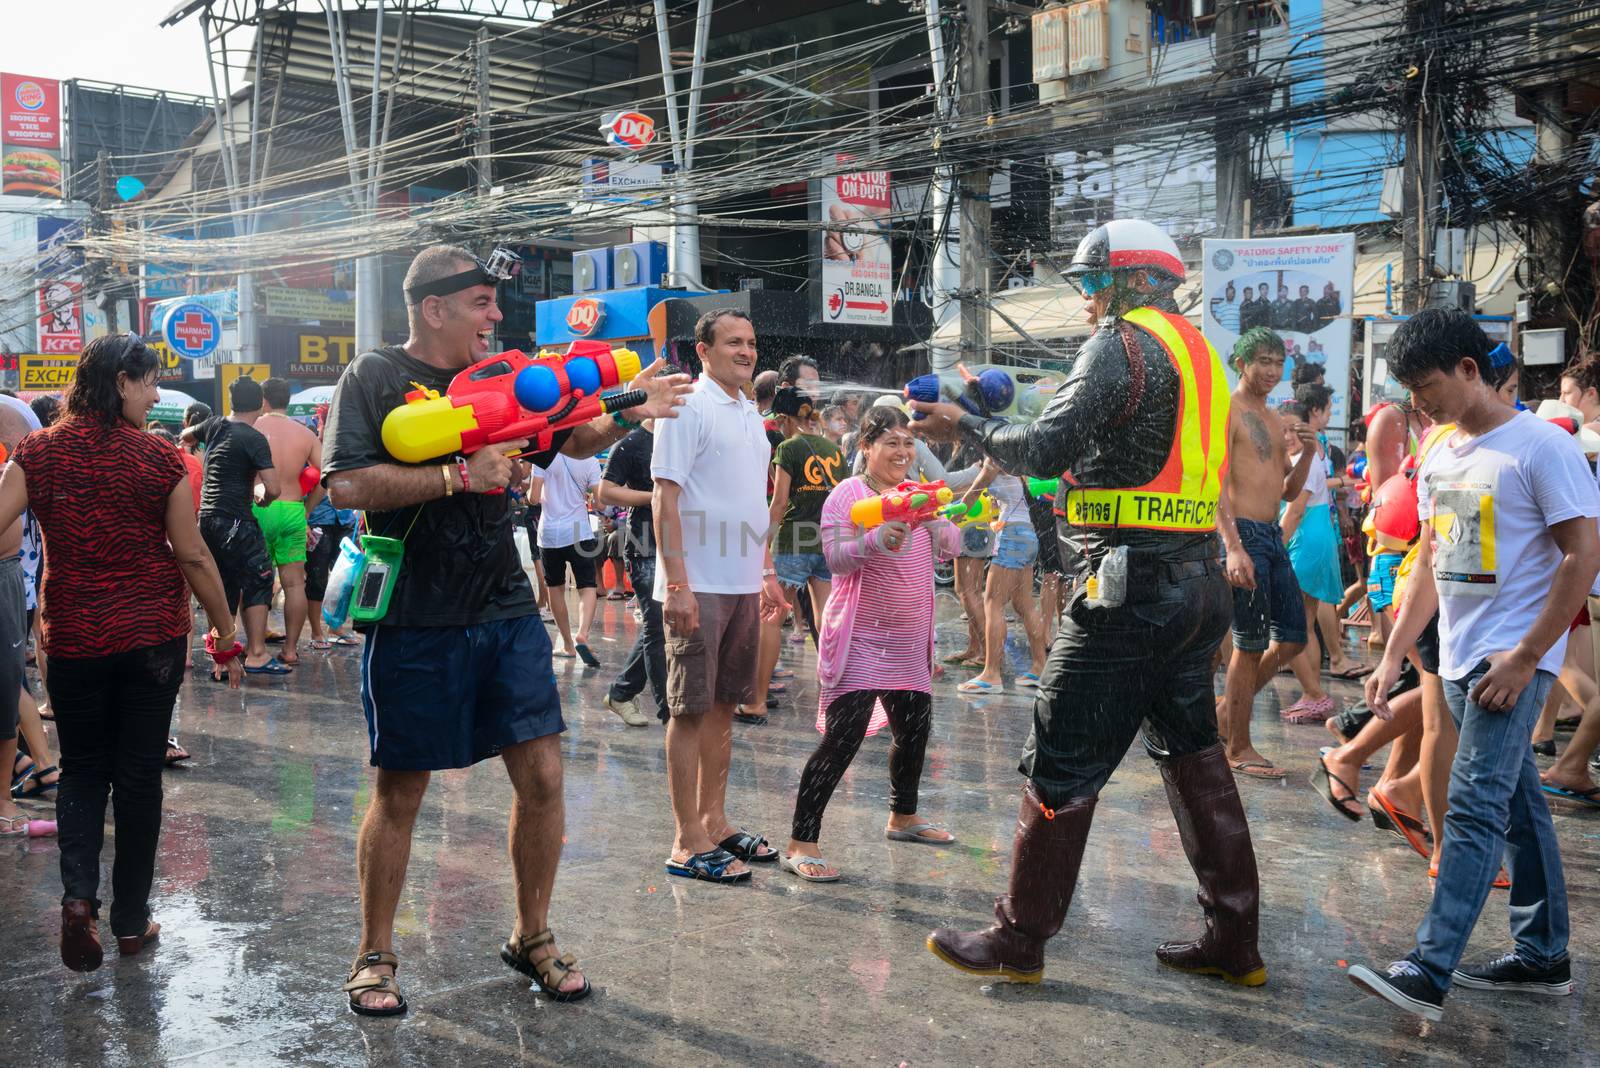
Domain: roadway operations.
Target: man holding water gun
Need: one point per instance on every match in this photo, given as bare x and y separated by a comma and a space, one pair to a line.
1138, 436
458, 669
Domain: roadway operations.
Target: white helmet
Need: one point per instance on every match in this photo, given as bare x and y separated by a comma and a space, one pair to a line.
1128, 244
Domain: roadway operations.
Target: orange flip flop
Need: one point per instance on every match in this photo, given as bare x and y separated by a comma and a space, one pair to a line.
1402, 824
1501, 881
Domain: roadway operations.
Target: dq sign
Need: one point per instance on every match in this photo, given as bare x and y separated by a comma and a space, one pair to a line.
585, 316
193, 331
632, 130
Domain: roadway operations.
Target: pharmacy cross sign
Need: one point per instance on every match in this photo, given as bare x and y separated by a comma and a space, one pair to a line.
192, 331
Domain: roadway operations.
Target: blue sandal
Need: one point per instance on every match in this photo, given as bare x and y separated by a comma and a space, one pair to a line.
33, 785
710, 866
747, 847
271, 667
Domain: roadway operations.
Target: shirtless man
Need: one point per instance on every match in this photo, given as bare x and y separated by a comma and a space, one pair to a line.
1266, 597
283, 522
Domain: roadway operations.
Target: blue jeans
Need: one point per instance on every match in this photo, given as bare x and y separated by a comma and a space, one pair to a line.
1496, 806
1273, 609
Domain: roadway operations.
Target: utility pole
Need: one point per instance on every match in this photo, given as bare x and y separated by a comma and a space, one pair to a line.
973, 209
1232, 136
944, 273
480, 79
1419, 192
109, 288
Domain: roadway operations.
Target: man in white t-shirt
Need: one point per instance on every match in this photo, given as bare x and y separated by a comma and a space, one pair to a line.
715, 581
566, 539
1509, 507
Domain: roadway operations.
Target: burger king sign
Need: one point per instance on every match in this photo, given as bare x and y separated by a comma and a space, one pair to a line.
30, 136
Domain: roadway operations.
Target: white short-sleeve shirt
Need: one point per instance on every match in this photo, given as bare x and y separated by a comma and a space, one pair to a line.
1490, 502
717, 451
564, 503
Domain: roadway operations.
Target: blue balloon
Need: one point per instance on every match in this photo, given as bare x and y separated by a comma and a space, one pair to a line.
129, 187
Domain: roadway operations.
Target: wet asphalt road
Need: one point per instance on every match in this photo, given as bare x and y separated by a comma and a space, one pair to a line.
255, 889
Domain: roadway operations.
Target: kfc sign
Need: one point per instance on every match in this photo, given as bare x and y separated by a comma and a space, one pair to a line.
585, 316
632, 130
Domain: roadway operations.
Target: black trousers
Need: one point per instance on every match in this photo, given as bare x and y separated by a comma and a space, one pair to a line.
1113, 669
647, 661
845, 725
112, 715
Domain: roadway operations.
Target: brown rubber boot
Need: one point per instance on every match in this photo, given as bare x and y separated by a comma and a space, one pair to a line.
80, 936
1205, 802
1044, 869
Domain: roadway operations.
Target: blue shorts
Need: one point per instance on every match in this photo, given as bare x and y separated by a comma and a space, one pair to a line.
1017, 547
1380, 580
1273, 610
448, 697
797, 569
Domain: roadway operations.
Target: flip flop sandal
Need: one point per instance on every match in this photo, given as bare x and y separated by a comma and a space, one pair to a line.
979, 686
33, 787
176, 754
344, 639
747, 847
1404, 826
1326, 749
710, 866
321, 644
777, 687
1322, 780
1259, 769
1501, 881
795, 863
1027, 681
547, 972
584, 654
916, 833
273, 666
1582, 797
755, 719
1358, 671
782, 673
384, 984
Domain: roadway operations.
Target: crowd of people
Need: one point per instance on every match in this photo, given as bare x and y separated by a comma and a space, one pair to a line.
735, 512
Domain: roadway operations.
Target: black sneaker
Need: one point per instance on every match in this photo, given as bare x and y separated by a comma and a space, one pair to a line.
1403, 985
1511, 972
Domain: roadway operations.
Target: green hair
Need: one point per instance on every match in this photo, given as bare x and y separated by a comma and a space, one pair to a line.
1252, 341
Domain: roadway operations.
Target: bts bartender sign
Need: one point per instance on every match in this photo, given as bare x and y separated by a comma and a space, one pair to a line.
855, 262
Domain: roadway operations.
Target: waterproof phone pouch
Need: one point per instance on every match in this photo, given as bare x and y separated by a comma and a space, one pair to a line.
380, 570
341, 584
1108, 586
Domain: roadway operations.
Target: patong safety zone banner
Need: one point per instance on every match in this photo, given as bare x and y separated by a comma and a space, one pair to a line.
1299, 288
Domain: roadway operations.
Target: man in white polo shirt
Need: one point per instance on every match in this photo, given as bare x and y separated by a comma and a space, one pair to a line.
714, 579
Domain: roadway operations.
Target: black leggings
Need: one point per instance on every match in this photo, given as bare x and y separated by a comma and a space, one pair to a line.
910, 716
112, 714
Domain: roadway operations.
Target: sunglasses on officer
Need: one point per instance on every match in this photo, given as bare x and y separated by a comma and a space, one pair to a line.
1088, 283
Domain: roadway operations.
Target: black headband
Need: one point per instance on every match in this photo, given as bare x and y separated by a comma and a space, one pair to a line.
501, 265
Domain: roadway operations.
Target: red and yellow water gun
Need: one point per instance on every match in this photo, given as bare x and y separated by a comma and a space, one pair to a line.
909, 502
512, 395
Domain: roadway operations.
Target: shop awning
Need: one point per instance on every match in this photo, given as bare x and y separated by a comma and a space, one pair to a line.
1490, 265
1050, 313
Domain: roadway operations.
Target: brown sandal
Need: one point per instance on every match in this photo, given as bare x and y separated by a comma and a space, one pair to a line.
547, 972
384, 984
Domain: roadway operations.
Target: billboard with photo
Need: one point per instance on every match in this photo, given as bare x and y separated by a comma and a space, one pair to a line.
854, 260
30, 136
1300, 288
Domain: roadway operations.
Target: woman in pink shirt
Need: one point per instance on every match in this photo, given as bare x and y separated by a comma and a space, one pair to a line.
876, 647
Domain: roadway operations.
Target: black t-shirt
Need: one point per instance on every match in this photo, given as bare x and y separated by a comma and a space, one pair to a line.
234, 453
629, 467
461, 565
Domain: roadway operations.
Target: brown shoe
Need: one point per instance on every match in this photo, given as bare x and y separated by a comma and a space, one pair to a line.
1045, 854
1216, 838
128, 945
80, 936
